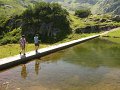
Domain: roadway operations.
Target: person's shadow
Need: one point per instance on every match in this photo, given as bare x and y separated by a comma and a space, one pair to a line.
22, 56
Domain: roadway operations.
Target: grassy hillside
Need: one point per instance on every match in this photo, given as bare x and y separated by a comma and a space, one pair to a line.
113, 36
115, 33
97, 6
10, 8
50, 20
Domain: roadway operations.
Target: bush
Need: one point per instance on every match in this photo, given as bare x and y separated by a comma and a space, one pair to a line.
11, 37
82, 13
46, 19
49, 20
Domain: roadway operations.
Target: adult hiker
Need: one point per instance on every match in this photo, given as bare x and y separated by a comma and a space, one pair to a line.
22, 44
36, 42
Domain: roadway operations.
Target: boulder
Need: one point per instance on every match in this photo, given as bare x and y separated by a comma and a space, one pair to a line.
116, 18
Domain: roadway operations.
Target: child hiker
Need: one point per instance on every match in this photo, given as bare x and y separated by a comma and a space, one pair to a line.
36, 42
22, 44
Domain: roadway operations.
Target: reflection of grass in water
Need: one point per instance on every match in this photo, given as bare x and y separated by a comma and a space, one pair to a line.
115, 40
54, 56
95, 53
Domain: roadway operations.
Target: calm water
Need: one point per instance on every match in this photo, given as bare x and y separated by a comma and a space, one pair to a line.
94, 65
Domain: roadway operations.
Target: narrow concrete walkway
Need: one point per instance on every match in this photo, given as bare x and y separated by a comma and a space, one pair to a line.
16, 60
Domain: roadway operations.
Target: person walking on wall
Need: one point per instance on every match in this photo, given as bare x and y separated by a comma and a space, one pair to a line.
22, 44
36, 42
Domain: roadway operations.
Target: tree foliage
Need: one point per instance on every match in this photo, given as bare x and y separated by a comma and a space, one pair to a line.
49, 20
51, 16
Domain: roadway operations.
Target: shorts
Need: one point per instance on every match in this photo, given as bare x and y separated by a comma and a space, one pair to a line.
22, 46
36, 44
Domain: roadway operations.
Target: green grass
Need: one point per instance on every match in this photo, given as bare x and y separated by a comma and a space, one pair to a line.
112, 36
76, 22
115, 33
75, 37
15, 8
93, 20
114, 40
14, 49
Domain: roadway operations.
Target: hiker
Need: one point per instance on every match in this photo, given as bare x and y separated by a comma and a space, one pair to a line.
22, 45
36, 42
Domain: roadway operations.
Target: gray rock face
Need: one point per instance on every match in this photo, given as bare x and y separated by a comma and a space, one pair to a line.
107, 6
116, 18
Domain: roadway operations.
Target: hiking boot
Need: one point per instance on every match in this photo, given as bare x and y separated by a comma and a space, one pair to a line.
36, 51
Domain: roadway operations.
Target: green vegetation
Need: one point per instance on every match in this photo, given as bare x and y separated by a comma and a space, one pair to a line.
115, 33
92, 24
49, 20
82, 13
13, 49
53, 23
76, 22
46, 19
113, 36
11, 37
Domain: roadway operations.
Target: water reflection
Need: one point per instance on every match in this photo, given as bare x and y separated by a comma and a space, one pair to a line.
37, 66
24, 71
94, 65
96, 53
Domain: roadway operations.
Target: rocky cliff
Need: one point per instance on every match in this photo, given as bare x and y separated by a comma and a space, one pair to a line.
107, 6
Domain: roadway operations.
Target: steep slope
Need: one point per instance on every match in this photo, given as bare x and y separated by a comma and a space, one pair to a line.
12, 7
8, 7
77, 4
96, 6
107, 6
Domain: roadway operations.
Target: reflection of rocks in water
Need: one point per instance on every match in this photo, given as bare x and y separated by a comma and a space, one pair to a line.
4, 86
40, 88
37, 66
24, 71
111, 81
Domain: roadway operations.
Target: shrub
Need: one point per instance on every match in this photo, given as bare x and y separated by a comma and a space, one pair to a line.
82, 13
42, 18
45, 19
11, 37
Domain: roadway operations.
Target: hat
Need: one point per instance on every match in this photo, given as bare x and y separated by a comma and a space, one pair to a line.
36, 35
23, 35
